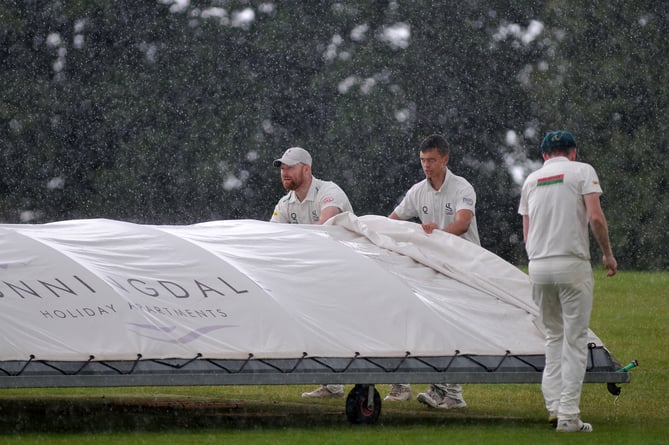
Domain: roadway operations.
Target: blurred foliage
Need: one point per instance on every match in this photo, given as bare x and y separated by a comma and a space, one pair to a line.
171, 112
606, 78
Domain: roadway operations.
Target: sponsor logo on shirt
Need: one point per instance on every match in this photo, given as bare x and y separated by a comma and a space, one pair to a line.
468, 201
448, 208
328, 199
550, 180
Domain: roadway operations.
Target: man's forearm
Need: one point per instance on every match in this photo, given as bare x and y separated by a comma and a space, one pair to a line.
600, 231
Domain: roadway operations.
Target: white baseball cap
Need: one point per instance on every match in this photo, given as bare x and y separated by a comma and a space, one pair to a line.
292, 156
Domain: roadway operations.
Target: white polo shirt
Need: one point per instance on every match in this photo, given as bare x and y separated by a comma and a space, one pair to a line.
553, 198
422, 201
321, 194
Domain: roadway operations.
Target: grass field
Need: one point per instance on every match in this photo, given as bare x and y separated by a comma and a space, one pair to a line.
630, 316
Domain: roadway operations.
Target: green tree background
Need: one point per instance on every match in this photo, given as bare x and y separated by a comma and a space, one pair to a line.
171, 112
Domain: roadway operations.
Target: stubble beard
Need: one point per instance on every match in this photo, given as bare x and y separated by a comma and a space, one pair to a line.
289, 184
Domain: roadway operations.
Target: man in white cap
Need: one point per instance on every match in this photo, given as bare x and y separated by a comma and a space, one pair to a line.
309, 201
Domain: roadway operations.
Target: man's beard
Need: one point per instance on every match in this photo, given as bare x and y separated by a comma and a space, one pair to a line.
289, 184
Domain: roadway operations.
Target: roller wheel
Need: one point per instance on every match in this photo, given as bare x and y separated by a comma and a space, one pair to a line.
358, 408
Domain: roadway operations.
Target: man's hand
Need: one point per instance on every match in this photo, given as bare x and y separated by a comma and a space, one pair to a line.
429, 227
611, 265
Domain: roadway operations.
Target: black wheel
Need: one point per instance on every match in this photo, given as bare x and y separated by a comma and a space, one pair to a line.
358, 408
614, 389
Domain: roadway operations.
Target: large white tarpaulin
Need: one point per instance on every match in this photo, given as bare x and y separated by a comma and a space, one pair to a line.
226, 289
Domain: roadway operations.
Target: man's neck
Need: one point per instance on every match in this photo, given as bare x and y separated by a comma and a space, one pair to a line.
302, 191
436, 184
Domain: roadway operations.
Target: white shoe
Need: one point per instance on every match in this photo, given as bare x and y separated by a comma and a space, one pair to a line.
435, 398
451, 403
323, 392
398, 393
430, 398
573, 426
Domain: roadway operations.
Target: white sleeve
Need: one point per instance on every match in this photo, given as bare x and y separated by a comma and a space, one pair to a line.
330, 194
279, 214
591, 182
407, 208
466, 199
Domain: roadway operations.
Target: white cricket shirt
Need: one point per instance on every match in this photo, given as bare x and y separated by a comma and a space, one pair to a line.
422, 201
553, 198
321, 194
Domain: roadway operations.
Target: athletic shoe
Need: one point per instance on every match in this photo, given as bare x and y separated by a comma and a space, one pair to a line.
323, 392
573, 426
398, 393
451, 403
431, 397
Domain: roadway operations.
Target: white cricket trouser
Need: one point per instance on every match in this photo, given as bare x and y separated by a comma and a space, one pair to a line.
452, 390
562, 288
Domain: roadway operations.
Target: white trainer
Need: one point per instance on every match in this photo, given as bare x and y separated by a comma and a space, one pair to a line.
398, 393
323, 392
451, 403
573, 426
430, 398
436, 398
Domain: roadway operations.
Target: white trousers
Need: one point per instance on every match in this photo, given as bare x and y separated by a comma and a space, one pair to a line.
562, 288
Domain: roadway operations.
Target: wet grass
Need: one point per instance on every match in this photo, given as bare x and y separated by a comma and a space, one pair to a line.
630, 316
